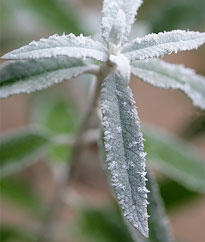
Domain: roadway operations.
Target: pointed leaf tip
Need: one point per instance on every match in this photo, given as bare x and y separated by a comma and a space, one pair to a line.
158, 45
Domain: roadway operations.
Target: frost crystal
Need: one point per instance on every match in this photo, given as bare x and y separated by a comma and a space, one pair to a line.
124, 152
158, 45
28, 76
66, 45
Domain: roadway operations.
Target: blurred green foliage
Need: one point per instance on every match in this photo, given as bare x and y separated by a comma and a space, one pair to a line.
175, 158
17, 192
58, 115
62, 18
174, 194
10, 233
104, 225
165, 15
194, 128
20, 149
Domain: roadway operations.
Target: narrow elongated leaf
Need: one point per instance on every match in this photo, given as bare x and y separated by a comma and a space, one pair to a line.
110, 11
124, 150
33, 75
158, 45
175, 158
66, 45
164, 75
21, 149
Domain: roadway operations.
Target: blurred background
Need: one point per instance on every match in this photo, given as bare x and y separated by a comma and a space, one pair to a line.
89, 212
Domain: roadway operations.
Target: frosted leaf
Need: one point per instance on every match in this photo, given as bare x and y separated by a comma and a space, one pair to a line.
125, 162
158, 45
118, 29
109, 13
33, 75
122, 66
66, 45
164, 75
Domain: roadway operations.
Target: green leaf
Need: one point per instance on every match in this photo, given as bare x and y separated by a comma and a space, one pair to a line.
79, 47
177, 14
33, 75
164, 75
20, 149
18, 192
10, 233
158, 45
195, 127
57, 15
174, 194
111, 9
58, 115
124, 150
175, 158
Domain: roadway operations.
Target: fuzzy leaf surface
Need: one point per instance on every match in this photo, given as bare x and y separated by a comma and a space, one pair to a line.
20, 149
124, 150
175, 158
32, 75
65, 45
158, 45
110, 12
164, 75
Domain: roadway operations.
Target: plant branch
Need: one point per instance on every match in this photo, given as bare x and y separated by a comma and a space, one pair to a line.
89, 136
85, 125
84, 137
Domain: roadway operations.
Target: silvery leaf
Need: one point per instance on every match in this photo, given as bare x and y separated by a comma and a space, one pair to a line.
32, 75
66, 45
124, 150
158, 45
111, 10
164, 75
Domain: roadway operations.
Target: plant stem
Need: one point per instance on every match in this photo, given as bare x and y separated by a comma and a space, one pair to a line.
45, 232
85, 125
